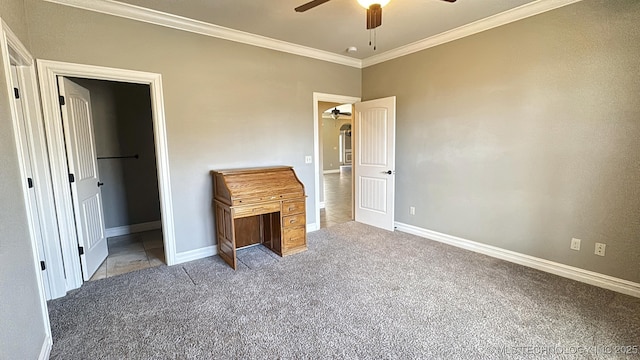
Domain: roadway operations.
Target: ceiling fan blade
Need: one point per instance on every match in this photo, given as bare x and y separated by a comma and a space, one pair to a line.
310, 5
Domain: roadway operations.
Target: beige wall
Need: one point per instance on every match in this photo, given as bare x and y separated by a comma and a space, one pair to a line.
13, 13
22, 329
330, 149
526, 135
227, 104
331, 142
322, 107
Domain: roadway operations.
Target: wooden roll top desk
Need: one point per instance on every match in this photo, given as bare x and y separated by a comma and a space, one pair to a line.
259, 205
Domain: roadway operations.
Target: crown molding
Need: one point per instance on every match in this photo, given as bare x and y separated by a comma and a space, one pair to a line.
160, 18
155, 17
503, 18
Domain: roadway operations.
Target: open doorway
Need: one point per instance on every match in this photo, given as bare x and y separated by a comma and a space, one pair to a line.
74, 238
122, 126
338, 193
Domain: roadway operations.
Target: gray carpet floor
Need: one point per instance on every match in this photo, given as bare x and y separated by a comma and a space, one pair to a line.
358, 292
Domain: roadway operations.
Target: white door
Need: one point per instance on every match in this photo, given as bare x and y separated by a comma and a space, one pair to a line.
83, 170
27, 166
374, 170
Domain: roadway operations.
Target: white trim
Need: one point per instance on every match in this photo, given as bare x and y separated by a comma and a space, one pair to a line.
156, 17
335, 171
196, 254
133, 228
312, 227
45, 350
48, 71
503, 18
323, 204
9, 41
50, 235
22, 55
570, 272
200, 27
342, 99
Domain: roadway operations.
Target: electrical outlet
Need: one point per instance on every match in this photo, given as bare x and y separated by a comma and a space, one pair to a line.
575, 244
600, 249
412, 210
308, 159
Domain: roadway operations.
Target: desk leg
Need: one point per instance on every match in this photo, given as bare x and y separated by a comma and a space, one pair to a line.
226, 239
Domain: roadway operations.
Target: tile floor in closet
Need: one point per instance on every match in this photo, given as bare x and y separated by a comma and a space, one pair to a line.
132, 252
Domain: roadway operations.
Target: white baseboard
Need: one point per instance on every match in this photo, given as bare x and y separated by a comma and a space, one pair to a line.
570, 272
213, 250
323, 204
133, 228
195, 254
45, 350
334, 171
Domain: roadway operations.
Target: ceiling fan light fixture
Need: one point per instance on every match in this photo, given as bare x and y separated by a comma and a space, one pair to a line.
367, 3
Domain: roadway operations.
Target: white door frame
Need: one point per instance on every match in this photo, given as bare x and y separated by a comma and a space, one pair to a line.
48, 71
14, 52
317, 97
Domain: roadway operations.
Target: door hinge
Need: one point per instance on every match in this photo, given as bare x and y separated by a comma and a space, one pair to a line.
30, 182
16, 93
80, 250
61, 98
43, 266
72, 178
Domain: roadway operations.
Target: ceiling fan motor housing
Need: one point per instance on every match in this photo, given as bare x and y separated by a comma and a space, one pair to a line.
374, 11
374, 16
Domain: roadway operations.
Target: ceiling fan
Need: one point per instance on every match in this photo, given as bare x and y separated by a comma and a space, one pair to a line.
335, 113
374, 10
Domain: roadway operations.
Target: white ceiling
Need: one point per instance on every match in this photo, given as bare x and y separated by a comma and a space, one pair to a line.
337, 24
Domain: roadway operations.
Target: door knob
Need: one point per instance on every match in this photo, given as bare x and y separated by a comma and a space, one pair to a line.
389, 172
100, 184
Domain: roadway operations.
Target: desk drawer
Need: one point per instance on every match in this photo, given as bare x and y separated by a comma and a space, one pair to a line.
292, 207
250, 210
293, 220
293, 237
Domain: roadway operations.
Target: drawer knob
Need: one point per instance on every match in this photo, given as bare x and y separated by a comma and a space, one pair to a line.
292, 221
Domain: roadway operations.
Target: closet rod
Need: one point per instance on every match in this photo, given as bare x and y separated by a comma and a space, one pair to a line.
118, 157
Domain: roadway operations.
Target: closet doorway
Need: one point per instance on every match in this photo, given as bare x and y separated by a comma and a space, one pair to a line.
122, 124
126, 146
